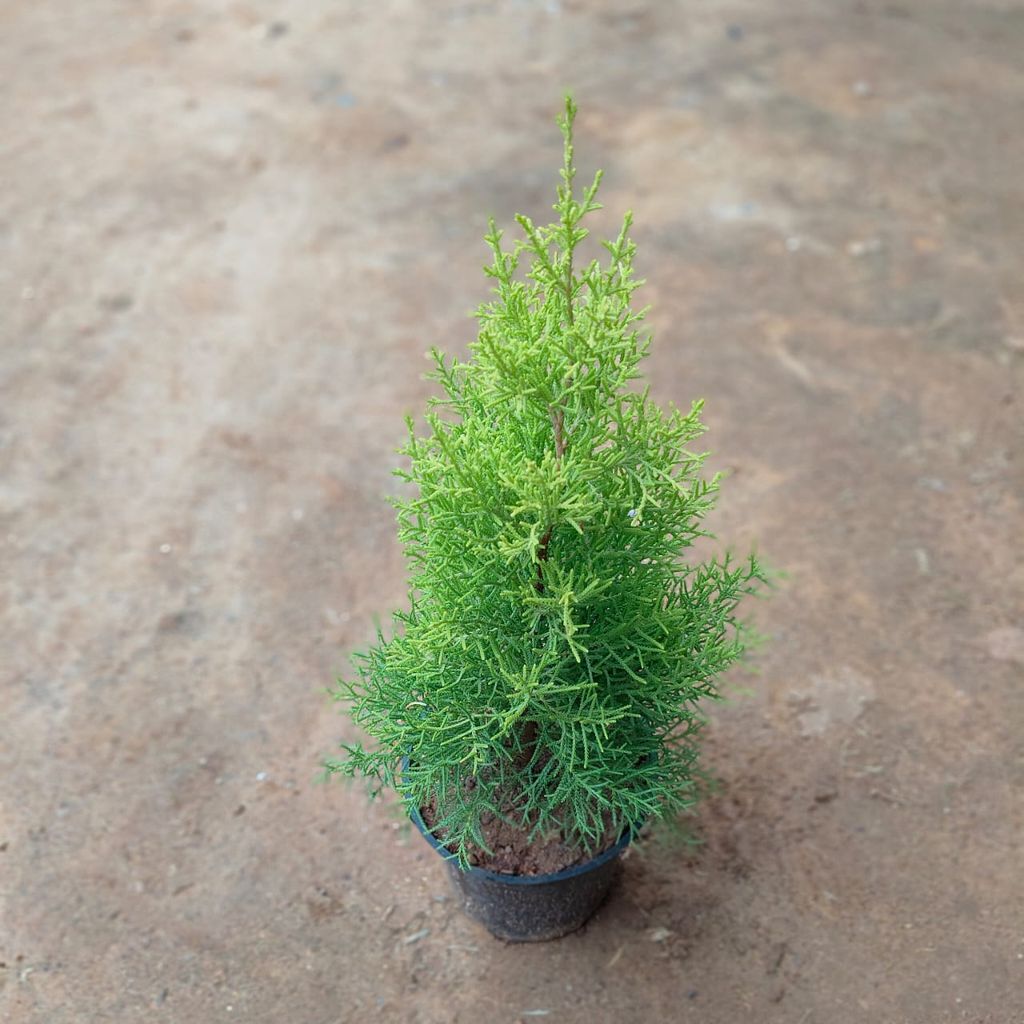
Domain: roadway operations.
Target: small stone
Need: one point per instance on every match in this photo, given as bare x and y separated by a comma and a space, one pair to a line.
862, 247
116, 303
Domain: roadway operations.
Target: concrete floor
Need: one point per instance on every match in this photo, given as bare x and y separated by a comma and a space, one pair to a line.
228, 232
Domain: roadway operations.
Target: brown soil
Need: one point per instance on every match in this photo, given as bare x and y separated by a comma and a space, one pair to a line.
512, 853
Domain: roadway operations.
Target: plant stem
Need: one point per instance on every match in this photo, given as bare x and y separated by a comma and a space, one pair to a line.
557, 424
568, 290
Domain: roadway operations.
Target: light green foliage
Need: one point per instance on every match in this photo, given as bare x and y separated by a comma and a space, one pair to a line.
556, 642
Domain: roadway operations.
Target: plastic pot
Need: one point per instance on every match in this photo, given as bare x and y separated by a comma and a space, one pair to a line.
531, 908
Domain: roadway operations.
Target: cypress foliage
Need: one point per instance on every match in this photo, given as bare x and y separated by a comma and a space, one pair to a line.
557, 640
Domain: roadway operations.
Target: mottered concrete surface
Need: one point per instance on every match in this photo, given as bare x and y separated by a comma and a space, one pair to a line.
228, 233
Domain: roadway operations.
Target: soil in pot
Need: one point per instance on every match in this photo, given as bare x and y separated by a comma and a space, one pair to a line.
513, 853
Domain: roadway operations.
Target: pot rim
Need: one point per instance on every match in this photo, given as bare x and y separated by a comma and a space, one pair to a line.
495, 876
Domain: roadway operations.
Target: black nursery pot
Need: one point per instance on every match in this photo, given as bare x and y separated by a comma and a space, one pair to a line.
531, 908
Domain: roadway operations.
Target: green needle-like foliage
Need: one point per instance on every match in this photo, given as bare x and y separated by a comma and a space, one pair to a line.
557, 642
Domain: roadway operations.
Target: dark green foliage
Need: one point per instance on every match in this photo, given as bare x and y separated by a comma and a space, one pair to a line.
556, 642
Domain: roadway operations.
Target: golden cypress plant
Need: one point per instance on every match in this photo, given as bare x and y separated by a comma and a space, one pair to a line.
557, 640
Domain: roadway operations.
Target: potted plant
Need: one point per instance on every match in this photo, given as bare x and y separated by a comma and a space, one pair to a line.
538, 699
